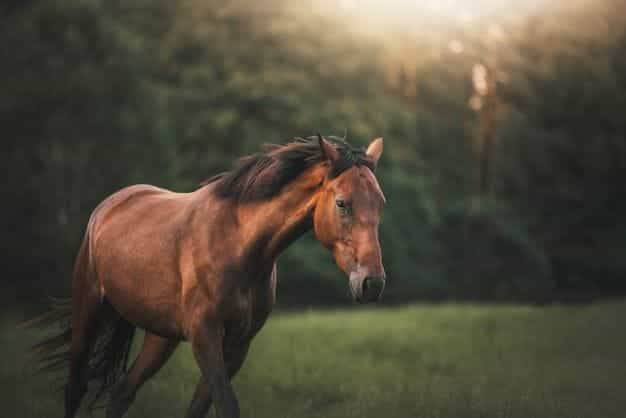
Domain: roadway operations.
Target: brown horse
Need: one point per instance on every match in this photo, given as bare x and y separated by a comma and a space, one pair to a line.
201, 266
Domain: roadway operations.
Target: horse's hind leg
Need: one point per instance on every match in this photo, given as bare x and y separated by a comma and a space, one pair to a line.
155, 351
86, 312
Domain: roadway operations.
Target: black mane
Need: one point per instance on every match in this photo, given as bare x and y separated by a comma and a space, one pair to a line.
261, 176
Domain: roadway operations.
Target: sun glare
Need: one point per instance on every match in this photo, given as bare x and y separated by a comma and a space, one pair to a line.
437, 11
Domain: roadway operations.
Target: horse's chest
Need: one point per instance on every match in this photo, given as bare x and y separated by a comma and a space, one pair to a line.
250, 311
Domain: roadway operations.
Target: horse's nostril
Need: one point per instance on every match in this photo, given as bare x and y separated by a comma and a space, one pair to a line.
367, 285
372, 288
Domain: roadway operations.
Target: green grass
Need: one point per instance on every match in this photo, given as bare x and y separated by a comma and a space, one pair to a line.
450, 361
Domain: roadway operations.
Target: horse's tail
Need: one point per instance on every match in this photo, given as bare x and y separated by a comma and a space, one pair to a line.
53, 352
108, 359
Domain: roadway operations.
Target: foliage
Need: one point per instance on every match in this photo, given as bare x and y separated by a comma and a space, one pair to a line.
76, 123
568, 152
101, 94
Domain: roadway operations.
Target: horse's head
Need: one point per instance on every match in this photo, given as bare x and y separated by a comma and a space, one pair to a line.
346, 221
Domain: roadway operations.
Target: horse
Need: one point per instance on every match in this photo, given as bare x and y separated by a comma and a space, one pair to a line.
201, 267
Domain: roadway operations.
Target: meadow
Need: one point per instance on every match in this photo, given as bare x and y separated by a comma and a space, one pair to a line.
436, 361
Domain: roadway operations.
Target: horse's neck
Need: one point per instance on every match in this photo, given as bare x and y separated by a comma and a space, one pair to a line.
270, 227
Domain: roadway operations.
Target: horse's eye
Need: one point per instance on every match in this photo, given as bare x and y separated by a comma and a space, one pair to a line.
342, 205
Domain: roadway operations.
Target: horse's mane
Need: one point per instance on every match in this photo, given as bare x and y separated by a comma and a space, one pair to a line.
261, 176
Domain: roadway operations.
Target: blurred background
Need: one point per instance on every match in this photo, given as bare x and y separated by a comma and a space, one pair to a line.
505, 161
504, 235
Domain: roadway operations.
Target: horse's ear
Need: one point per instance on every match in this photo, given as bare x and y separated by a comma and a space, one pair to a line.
330, 152
375, 150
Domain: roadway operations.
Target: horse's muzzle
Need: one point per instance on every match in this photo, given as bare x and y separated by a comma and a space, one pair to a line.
368, 289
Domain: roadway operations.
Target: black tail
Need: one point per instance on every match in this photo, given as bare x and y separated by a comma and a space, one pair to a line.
108, 359
53, 353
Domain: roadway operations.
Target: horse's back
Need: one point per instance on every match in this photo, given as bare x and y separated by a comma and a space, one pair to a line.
129, 196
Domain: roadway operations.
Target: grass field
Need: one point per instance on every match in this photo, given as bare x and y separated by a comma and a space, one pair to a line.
451, 361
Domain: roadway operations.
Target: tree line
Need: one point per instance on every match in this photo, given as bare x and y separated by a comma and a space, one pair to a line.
505, 144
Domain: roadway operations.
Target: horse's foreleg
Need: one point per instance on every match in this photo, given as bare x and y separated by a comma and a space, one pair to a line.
202, 400
234, 359
155, 352
215, 383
